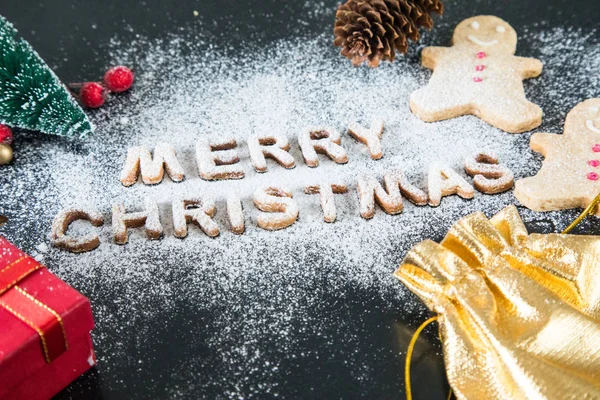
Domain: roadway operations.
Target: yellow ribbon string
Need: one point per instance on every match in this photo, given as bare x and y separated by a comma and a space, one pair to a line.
409, 352
588, 210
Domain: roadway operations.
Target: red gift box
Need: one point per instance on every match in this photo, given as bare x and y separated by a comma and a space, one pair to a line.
45, 326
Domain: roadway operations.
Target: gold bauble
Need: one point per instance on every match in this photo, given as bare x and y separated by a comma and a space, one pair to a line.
6, 154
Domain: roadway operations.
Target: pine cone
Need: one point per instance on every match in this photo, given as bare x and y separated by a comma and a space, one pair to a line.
373, 30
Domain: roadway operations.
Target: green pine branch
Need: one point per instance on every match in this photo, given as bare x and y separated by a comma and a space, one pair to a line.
31, 95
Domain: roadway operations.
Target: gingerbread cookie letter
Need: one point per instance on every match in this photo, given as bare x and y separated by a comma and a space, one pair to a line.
280, 210
444, 181
149, 219
479, 75
197, 210
152, 169
271, 146
326, 191
488, 176
61, 223
388, 198
570, 173
324, 141
235, 213
217, 159
371, 137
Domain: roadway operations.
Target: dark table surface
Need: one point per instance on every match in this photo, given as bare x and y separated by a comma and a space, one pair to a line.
73, 36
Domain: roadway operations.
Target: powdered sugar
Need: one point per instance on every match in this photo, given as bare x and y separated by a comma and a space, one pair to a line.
261, 294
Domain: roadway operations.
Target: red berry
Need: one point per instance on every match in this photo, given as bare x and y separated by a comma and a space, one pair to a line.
118, 79
92, 94
6, 135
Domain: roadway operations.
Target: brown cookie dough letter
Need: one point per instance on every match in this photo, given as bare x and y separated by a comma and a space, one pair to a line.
152, 169
271, 146
217, 159
488, 176
150, 219
197, 210
324, 141
326, 191
280, 210
61, 223
388, 198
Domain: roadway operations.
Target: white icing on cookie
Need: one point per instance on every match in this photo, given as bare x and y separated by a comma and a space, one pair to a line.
475, 25
590, 125
500, 29
479, 42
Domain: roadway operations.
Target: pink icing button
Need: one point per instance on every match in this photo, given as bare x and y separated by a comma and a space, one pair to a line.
481, 54
596, 148
592, 176
594, 163
477, 79
479, 67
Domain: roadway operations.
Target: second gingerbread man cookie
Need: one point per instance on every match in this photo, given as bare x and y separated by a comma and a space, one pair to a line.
570, 173
479, 75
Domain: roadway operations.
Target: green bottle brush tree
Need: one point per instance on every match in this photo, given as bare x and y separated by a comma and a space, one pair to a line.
31, 95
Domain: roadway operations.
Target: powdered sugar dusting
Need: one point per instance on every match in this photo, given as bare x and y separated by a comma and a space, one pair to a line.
262, 295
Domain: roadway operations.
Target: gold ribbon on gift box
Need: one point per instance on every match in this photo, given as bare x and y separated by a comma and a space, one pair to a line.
518, 313
45, 321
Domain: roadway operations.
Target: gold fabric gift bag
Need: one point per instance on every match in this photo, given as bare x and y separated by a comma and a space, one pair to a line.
519, 314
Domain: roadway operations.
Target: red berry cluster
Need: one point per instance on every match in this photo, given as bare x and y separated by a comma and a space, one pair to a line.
116, 80
6, 135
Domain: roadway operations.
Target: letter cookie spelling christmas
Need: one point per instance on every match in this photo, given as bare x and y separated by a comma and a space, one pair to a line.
479, 75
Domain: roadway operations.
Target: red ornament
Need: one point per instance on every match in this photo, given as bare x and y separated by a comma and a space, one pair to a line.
6, 135
477, 79
596, 148
481, 54
118, 79
594, 163
92, 94
592, 176
479, 67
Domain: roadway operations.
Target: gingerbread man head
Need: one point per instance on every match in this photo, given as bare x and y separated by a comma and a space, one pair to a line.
584, 119
486, 33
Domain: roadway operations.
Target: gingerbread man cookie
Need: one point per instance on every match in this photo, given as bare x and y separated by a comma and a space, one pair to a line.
570, 173
479, 75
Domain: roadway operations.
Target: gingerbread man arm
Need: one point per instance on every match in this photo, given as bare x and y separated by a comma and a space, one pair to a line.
529, 67
431, 55
542, 142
